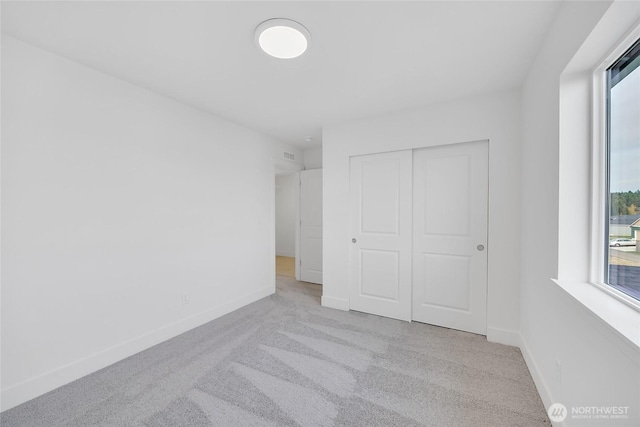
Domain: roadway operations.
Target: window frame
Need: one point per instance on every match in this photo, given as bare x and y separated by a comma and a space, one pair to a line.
600, 173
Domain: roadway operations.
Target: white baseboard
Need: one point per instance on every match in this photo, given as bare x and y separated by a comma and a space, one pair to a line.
541, 385
337, 303
503, 336
36, 386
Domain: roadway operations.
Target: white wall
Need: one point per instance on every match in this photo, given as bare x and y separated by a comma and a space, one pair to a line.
286, 215
115, 203
575, 358
313, 158
284, 164
495, 118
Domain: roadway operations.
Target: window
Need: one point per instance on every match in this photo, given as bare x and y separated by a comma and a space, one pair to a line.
584, 188
622, 261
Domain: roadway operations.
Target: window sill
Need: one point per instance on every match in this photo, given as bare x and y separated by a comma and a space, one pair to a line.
619, 316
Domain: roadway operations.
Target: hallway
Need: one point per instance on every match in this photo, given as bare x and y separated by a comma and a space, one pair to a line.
285, 266
285, 279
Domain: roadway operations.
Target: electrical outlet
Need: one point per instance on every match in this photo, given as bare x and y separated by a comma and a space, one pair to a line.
558, 371
184, 298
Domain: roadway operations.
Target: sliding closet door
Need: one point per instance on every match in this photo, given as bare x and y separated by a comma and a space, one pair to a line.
380, 256
450, 236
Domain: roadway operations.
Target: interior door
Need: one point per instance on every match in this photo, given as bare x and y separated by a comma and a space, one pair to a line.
311, 226
380, 255
450, 236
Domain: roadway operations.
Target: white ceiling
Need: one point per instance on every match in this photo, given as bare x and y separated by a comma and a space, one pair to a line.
365, 58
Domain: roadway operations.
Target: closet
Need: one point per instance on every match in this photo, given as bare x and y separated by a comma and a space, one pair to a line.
419, 235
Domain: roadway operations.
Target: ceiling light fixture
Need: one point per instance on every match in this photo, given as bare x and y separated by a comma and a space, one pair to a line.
308, 138
282, 38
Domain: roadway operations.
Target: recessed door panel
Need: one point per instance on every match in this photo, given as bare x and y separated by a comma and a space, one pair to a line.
446, 281
380, 196
379, 276
448, 215
313, 260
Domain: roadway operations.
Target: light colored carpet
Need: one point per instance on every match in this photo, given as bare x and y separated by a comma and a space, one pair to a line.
286, 361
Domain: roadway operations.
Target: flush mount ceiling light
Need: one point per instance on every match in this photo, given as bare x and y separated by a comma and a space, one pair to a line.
282, 38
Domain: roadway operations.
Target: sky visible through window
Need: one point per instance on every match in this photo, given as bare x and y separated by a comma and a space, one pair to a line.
625, 134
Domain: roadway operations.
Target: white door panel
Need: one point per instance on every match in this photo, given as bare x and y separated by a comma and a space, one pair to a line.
380, 255
449, 226
446, 178
311, 226
448, 276
379, 276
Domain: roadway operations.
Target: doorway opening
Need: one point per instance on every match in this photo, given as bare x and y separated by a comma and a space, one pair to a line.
285, 266
287, 206
298, 232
